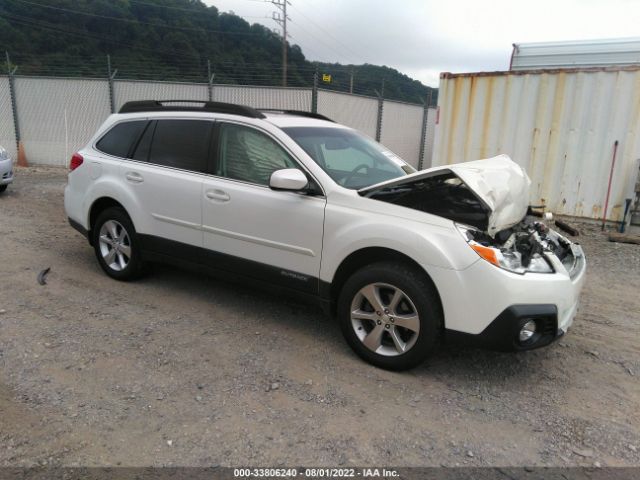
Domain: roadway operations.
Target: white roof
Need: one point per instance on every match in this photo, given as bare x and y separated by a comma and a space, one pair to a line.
284, 120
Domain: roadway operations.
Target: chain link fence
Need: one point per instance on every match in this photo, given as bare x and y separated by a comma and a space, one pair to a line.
7, 130
57, 116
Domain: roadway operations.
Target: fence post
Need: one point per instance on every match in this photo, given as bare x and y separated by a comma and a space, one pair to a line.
314, 92
210, 80
22, 161
380, 109
423, 130
111, 76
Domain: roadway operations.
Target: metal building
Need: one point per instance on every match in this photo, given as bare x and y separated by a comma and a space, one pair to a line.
576, 53
560, 125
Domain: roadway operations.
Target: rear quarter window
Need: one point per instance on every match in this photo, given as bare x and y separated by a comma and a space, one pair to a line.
119, 140
182, 144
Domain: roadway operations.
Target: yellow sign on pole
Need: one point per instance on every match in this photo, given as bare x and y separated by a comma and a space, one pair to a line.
326, 78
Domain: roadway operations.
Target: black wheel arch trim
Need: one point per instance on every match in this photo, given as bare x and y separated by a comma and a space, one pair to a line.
329, 291
79, 228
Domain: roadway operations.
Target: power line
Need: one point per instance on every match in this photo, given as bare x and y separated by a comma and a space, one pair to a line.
192, 10
350, 38
33, 23
338, 42
128, 20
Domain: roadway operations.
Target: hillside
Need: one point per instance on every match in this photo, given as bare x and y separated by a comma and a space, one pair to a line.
169, 40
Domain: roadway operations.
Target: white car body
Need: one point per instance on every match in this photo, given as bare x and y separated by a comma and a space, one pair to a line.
6, 169
302, 241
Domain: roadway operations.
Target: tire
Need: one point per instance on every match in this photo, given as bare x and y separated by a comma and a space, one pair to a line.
116, 245
406, 326
3, 188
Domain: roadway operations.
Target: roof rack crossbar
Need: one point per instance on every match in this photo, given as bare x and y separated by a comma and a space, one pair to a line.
299, 113
203, 106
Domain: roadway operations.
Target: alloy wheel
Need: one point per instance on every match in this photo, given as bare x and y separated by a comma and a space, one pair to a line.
115, 245
385, 319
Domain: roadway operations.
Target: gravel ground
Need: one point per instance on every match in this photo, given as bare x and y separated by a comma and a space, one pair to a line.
180, 369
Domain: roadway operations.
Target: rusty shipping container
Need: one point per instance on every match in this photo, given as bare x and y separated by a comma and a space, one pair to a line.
560, 125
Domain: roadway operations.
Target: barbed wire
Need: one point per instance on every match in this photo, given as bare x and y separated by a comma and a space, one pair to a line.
197, 70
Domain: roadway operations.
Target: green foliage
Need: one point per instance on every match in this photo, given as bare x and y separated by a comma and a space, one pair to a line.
170, 40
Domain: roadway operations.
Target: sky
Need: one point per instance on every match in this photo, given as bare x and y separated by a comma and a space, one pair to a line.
422, 38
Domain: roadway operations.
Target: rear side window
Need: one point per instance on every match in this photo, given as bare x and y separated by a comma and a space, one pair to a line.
181, 144
144, 145
120, 138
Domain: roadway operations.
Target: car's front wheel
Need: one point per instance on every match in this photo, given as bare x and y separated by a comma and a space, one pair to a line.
116, 245
390, 315
3, 188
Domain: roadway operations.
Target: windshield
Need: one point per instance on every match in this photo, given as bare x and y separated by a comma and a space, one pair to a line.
349, 158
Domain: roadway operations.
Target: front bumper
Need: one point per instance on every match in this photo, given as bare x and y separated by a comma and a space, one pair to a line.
486, 305
502, 334
6, 171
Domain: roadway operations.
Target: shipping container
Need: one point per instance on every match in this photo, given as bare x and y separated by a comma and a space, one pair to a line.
559, 125
576, 53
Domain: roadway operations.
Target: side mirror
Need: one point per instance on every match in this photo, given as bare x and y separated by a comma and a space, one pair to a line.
290, 179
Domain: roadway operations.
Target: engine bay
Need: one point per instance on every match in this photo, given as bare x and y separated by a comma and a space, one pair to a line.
528, 242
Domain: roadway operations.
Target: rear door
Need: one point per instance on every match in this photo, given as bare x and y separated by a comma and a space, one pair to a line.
165, 174
274, 236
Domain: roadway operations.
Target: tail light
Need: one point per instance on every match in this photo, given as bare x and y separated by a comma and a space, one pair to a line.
76, 161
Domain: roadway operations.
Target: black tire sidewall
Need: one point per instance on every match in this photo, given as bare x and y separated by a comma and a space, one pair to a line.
3, 188
134, 267
423, 295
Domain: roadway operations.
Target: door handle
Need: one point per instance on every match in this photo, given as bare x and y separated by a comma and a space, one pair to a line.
134, 177
218, 195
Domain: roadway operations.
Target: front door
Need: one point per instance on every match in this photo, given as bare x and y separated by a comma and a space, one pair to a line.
274, 236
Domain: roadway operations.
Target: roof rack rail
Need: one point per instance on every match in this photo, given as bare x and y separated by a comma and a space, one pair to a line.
298, 113
202, 106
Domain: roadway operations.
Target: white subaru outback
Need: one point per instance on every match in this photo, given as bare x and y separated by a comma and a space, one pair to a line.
295, 201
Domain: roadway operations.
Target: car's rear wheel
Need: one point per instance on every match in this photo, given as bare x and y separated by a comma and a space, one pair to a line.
390, 315
116, 245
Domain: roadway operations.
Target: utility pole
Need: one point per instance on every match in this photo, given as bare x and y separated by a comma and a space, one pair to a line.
111, 74
351, 81
281, 19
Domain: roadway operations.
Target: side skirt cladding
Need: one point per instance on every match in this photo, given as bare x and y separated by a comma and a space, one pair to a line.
229, 267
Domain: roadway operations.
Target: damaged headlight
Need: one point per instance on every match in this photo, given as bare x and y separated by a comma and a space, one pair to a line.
505, 258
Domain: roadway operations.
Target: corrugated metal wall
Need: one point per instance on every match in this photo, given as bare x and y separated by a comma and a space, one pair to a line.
355, 111
402, 129
576, 53
561, 127
58, 116
7, 131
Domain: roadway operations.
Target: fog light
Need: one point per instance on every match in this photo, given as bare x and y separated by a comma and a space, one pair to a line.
527, 331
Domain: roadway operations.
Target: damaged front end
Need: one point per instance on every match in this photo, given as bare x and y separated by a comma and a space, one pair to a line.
529, 246
488, 201
490, 194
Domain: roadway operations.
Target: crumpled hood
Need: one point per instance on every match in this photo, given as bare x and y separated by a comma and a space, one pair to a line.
499, 183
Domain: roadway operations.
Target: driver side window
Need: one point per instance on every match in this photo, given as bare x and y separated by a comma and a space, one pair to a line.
249, 155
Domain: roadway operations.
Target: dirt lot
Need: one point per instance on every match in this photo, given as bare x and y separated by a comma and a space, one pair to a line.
180, 369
